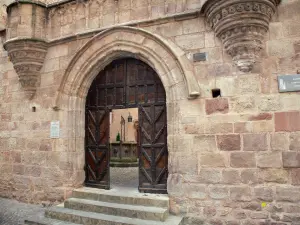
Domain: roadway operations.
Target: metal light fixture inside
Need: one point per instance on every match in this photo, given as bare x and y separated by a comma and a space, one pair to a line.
129, 118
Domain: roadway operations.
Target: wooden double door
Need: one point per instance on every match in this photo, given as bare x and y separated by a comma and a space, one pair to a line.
127, 83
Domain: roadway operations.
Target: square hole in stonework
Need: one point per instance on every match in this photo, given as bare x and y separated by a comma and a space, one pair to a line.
216, 93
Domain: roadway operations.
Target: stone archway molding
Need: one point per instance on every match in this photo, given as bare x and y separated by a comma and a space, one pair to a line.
166, 58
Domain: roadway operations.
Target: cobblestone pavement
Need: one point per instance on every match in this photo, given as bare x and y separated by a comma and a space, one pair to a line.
13, 212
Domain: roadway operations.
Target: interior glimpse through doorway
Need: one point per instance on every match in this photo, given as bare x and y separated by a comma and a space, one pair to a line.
124, 148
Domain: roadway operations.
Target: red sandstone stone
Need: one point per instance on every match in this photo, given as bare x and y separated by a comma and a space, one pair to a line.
229, 142
287, 121
216, 105
261, 116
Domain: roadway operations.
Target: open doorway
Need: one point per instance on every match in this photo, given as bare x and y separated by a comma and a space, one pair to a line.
124, 152
127, 84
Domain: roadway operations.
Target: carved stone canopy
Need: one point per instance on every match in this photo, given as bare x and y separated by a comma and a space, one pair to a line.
27, 56
241, 25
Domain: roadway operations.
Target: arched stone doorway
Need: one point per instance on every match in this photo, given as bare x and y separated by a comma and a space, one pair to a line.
127, 83
168, 60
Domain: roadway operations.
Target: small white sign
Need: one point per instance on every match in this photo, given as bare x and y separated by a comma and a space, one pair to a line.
54, 129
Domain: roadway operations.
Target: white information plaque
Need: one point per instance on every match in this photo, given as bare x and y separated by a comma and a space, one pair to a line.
54, 129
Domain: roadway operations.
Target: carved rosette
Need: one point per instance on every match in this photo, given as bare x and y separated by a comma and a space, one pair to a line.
27, 56
241, 25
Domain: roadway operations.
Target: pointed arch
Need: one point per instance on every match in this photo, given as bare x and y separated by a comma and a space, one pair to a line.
167, 59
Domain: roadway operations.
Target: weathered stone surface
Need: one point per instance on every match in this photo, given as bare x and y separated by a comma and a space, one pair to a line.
269, 103
261, 116
209, 211
209, 176
249, 176
264, 194
239, 214
212, 160
197, 191
205, 143
229, 142
219, 192
194, 220
273, 175
279, 141
243, 127
231, 176
219, 128
291, 159
269, 160
216, 105
255, 142
287, 121
191, 41
248, 84
295, 175
259, 215
240, 194
243, 104
288, 194
254, 206
294, 141
242, 159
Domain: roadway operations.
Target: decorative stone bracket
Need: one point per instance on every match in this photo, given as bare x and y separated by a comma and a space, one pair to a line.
27, 56
241, 25
26, 43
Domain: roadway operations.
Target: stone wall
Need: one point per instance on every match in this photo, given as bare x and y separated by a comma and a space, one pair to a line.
232, 160
242, 161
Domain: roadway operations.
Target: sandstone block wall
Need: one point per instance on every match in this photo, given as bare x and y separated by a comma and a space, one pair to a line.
232, 160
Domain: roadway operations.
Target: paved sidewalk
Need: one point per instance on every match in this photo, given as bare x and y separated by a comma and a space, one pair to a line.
13, 212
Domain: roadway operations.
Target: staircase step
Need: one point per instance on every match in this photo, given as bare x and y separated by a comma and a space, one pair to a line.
47, 221
132, 197
123, 164
117, 209
92, 218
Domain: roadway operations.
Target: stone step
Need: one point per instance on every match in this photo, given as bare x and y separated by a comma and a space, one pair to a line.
123, 164
132, 197
46, 221
92, 218
117, 209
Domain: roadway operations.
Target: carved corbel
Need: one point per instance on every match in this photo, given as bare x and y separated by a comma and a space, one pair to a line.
26, 43
27, 56
241, 25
